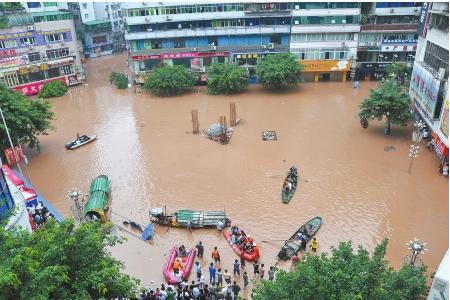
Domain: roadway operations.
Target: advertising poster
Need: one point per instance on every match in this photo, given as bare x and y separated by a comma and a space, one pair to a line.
11, 156
424, 88
444, 119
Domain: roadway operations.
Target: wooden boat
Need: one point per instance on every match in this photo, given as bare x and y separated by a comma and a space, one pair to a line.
188, 218
188, 262
250, 256
293, 245
81, 141
286, 192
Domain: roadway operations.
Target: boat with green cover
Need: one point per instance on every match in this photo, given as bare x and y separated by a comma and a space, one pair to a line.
189, 218
289, 185
97, 205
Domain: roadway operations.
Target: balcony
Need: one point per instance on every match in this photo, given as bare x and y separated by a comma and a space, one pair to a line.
326, 12
184, 17
398, 11
323, 28
268, 13
388, 27
200, 32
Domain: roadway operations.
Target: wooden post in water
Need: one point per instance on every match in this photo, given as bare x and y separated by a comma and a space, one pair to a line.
195, 124
232, 114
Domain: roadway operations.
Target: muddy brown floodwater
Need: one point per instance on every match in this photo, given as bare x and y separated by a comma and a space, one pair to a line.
146, 147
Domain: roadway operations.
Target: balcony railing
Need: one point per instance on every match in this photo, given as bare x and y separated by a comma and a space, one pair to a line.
389, 27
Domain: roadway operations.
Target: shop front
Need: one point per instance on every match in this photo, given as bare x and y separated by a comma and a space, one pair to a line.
325, 70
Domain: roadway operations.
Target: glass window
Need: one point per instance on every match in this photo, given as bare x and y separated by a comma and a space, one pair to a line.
436, 57
33, 4
50, 4
8, 44
34, 56
27, 41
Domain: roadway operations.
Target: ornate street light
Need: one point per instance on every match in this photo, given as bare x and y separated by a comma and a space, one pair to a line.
413, 152
417, 247
78, 198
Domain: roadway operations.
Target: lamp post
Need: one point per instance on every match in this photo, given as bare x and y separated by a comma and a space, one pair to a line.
416, 138
413, 152
10, 141
24, 156
79, 199
417, 247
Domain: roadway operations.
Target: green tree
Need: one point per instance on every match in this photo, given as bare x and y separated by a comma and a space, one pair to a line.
61, 261
120, 80
226, 79
346, 274
53, 89
389, 101
399, 72
24, 117
279, 71
169, 81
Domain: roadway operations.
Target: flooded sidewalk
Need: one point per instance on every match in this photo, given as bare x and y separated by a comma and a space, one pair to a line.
146, 147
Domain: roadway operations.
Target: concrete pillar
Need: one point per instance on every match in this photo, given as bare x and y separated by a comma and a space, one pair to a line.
316, 77
344, 76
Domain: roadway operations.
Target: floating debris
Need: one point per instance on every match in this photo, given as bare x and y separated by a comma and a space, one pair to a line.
269, 135
389, 148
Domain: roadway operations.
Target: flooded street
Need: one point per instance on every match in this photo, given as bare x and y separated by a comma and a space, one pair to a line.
146, 148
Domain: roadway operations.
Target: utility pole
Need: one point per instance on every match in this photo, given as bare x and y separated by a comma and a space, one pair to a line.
10, 141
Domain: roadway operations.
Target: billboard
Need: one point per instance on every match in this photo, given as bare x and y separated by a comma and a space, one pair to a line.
444, 119
11, 153
423, 19
325, 65
424, 88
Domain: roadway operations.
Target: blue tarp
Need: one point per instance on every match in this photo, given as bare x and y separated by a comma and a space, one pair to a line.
148, 232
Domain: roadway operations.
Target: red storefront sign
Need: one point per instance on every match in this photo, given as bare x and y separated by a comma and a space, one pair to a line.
7, 53
180, 55
439, 146
11, 156
35, 87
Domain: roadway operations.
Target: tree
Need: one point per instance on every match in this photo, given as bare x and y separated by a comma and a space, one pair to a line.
61, 261
346, 275
279, 71
397, 71
53, 89
388, 101
169, 81
226, 79
120, 80
24, 117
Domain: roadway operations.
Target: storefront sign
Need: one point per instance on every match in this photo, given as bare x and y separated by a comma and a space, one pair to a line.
439, 146
195, 63
424, 88
325, 65
8, 53
10, 155
73, 79
34, 88
399, 48
180, 55
444, 119
44, 67
423, 18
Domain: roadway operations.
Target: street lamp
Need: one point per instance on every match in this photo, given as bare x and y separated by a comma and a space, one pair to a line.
413, 152
10, 141
24, 156
417, 247
79, 199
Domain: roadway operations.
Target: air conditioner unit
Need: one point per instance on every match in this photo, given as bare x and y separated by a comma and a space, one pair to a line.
270, 46
370, 44
441, 73
264, 46
416, 8
203, 69
297, 7
194, 49
30, 48
344, 21
168, 18
343, 44
62, 44
296, 22
30, 28
24, 57
213, 48
391, 11
147, 19
333, 21
49, 46
44, 59
149, 30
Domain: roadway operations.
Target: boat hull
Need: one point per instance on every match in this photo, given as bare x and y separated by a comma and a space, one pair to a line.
286, 197
252, 256
72, 145
168, 271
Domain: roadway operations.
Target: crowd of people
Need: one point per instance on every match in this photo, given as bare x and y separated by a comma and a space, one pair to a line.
38, 215
291, 180
243, 241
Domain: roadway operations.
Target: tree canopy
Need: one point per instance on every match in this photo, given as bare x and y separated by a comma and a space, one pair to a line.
24, 117
279, 71
398, 71
346, 274
169, 81
120, 80
226, 79
388, 101
61, 261
53, 89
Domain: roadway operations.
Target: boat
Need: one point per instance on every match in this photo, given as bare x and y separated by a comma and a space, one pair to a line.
286, 192
250, 256
188, 262
188, 218
97, 205
80, 141
293, 245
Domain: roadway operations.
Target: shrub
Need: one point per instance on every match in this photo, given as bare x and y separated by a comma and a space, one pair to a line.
278, 71
169, 81
120, 80
53, 89
226, 79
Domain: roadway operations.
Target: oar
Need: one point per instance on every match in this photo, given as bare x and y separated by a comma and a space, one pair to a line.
268, 241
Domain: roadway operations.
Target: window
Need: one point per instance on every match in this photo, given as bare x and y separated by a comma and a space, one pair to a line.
57, 37
179, 44
275, 39
86, 16
436, 57
57, 53
84, 5
34, 56
33, 4
99, 39
27, 41
8, 44
50, 4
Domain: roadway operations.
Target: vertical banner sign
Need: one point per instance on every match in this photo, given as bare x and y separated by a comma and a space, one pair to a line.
424, 89
11, 156
423, 19
444, 119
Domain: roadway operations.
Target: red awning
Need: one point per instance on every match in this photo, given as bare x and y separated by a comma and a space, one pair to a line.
12, 176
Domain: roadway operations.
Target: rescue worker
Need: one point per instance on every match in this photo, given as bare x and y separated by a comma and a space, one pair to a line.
314, 245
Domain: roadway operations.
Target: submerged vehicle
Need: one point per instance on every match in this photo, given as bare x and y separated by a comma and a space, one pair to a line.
189, 218
289, 185
293, 245
97, 205
80, 141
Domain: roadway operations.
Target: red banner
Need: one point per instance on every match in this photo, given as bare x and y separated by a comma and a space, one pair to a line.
11, 156
7, 53
180, 55
439, 146
35, 87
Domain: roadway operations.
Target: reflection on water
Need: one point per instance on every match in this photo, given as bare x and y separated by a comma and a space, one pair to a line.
144, 145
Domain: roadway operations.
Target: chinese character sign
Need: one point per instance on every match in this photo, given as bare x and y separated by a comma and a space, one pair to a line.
444, 119
425, 89
11, 156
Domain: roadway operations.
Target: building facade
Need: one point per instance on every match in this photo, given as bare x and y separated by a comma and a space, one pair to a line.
101, 25
38, 47
388, 34
429, 79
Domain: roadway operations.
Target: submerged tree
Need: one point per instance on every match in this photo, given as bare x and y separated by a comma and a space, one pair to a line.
24, 117
120, 80
346, 274
169, 81
388, 101
61, 261
279, 71
226, 79
53, 89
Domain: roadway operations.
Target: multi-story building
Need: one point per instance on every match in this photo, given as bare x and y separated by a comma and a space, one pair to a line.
37, 47
324, 36
388, 34
101, 25
196, 35
429, 79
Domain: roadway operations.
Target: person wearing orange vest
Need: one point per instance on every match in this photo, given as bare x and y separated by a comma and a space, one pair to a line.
177, 265
256, 251
215, 255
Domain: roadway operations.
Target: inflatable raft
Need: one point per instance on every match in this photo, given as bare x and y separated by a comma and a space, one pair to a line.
250, 256
188, 262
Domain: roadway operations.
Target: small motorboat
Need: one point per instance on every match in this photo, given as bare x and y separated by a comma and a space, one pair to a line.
188, 262
80, 141
250, 256
293, 245
289, 185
